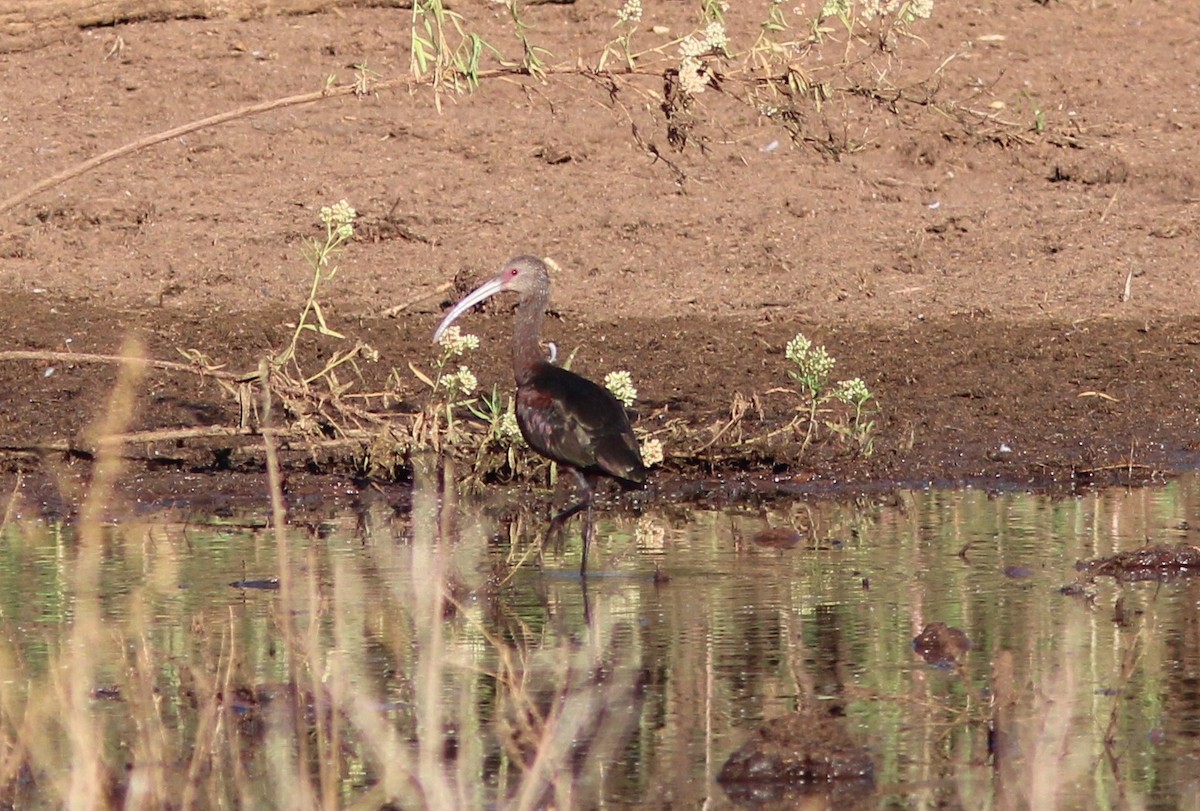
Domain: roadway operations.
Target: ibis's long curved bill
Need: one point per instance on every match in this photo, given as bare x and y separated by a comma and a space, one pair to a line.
485, 290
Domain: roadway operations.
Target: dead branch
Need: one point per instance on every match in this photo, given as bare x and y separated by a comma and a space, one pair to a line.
88, 165
392, 312
86, 357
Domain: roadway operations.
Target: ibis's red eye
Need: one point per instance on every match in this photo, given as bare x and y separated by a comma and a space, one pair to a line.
512, 272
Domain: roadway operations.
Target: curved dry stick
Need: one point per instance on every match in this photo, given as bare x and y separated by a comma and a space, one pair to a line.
352, 439
254, 109
86, 357
392, 312
311, 98
166, 135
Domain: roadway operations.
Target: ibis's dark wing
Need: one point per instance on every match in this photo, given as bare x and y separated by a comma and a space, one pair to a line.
571, 420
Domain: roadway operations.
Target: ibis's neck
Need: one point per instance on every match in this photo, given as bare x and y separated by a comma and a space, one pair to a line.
527, 333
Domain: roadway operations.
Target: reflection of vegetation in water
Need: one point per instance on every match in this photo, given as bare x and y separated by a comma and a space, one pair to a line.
373, 682
1067, 658
383, 685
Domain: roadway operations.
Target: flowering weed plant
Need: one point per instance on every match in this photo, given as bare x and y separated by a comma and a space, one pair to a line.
448, 388
812, 366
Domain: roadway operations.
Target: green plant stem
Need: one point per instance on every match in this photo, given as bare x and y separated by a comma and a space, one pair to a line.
812, 421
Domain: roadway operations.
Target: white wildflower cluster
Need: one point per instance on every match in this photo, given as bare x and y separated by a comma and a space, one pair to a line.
874, 8
813, 363
904, 10
801, 352
812, 367
339, 218
455, 343
507, 429
853, 392
462, 382
631, 12
715, 36
652, 452
693, 76
919, 10
712, 39
621, 385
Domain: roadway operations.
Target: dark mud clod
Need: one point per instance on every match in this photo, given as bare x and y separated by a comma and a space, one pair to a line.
266, 584
777, 538
1153, 562
941, 645
798, 754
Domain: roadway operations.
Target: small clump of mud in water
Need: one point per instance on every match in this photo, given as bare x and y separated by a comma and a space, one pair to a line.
804, 752
1152, 562
941, 645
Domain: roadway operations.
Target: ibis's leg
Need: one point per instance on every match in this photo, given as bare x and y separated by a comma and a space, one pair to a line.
585, 490
587, 605
557, 521
555, 530
587, 538
586, 485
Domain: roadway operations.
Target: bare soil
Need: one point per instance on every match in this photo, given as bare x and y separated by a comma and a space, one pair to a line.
1023, 300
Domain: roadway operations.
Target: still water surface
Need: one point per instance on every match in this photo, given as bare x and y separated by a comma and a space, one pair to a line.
686, 635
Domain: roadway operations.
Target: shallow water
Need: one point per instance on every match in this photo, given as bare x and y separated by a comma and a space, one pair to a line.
640, 680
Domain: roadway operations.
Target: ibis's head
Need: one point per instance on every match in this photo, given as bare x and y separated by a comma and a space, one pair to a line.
526, 275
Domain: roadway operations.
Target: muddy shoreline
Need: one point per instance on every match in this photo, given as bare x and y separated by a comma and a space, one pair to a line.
963, 400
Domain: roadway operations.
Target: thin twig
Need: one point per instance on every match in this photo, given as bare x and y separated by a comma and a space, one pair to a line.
88, 165
166, 135
352, 439
87, 357
1126, 466
392, 312
176, 434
